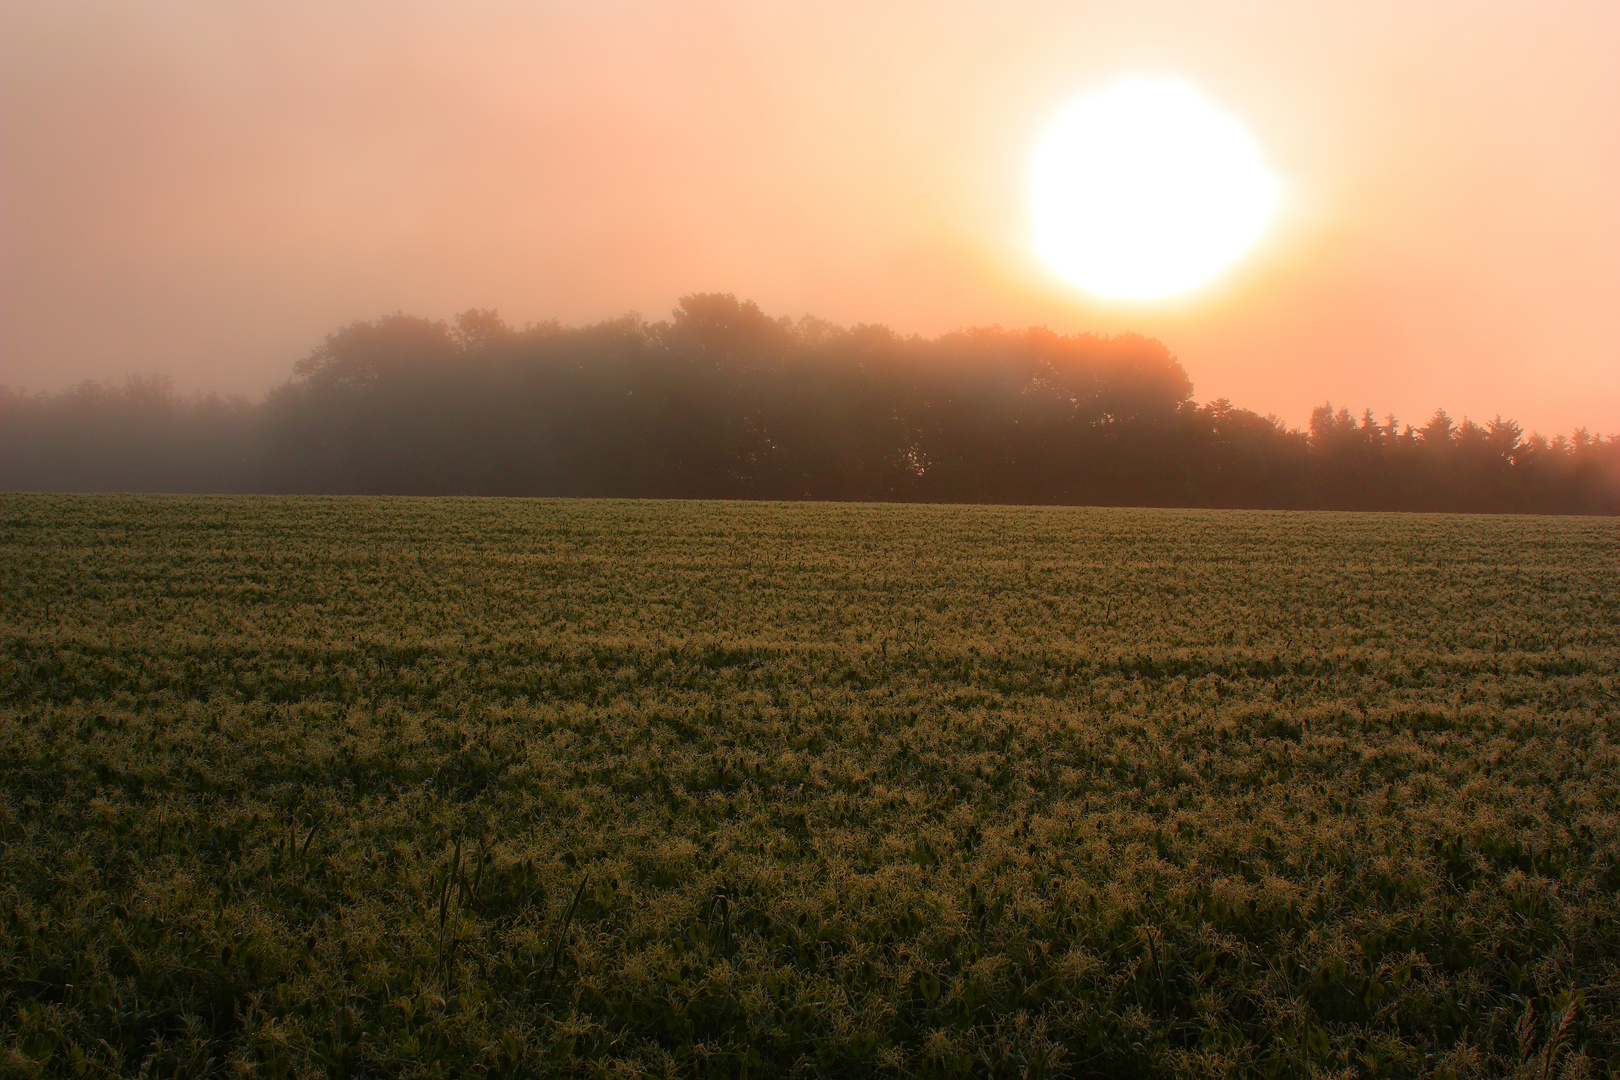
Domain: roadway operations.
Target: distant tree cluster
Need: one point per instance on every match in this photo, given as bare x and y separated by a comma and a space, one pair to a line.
722, 401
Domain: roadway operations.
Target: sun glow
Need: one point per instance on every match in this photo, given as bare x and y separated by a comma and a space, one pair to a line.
1145, 190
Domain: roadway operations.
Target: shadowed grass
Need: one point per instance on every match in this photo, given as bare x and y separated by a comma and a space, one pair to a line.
411, 787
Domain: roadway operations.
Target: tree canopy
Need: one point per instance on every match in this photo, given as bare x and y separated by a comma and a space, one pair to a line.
724, 401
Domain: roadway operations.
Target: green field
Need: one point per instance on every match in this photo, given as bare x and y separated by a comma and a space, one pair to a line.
308, 787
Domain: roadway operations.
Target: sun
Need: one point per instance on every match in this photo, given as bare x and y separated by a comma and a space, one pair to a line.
1146, 190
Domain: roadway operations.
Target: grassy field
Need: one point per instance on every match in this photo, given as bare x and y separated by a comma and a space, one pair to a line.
303, 787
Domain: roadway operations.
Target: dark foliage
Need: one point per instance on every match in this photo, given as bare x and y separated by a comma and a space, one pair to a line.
725, 402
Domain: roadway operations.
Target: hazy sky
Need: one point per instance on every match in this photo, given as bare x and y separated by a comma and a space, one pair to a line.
206, 189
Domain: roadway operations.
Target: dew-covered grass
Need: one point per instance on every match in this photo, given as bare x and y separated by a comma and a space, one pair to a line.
352, 787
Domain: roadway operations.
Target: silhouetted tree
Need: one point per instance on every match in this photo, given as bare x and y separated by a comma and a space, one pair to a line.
724, 401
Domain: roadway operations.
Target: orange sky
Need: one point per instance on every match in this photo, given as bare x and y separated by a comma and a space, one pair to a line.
207, 189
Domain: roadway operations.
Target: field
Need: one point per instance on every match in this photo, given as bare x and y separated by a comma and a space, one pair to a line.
302, 787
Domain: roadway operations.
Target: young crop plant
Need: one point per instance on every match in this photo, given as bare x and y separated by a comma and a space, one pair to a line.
407, 787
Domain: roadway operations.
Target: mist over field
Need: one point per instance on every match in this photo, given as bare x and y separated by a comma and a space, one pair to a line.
1156, 617
723, 401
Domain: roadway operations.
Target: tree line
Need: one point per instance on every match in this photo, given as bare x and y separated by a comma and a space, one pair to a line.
722, 401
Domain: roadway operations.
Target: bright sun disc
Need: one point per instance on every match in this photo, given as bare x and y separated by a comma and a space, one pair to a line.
1145, 190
